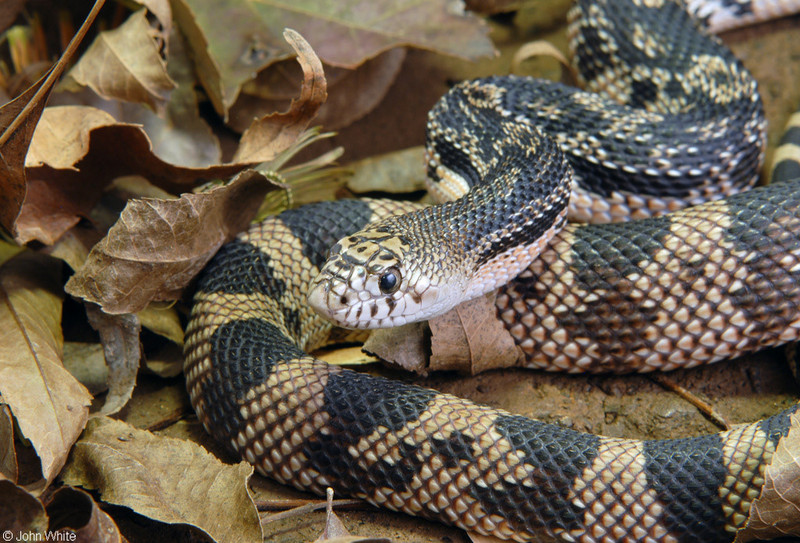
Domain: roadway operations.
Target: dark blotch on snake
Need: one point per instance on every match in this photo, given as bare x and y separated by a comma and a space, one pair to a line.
685, 479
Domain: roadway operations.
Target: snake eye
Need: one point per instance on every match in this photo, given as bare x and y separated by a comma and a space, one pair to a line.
389, 281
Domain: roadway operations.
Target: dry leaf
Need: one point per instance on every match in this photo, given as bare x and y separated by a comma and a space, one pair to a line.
9, 9
50, 406
342, 33
488, 7
397, 172
119, 335
21, 513
347, 356
226, 60
163, 12
73, 511
351, 93
163, 321
405, 346
165, 479
61, 138
126, 64
157, 246
274, 133
18, 119
545, 49
345, 34
469, 338
77, 152
87, 363
333, 526
776, 512
14, 143
74, 246
8, 456
180, 136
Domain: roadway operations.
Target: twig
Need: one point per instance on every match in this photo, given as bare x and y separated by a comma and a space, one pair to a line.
706, 408
167, 421
301, 507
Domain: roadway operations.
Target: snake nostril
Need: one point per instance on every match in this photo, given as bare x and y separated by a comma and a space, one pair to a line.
344, 300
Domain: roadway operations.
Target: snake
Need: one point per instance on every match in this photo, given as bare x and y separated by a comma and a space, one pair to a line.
673, 289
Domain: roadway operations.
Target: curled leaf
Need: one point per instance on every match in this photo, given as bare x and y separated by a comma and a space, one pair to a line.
74, 511
21, 514
119, 335
274, 133
157, 246
468, 338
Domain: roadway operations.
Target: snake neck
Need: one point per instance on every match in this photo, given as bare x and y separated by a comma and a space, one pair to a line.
413, 267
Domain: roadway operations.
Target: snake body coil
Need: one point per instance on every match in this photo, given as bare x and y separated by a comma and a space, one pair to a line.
694, 285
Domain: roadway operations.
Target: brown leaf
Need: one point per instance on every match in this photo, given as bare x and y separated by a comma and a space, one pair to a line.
14, 143
165, 479
405, 346
61, 138
73, 247
346, 356
181, 136
351, 93
119, 335
776, 512
71, 510
18, 120
50, 406
162, 11
488, 7
8, 456
225, 60
471, 339
397, 172
126, 64
274, 133
9, 9
87, 363
164, 321
21, 512
76, 153
333, 526
345, 34
157, 246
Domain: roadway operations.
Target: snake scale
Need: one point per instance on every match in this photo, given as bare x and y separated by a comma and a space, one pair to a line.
691, 286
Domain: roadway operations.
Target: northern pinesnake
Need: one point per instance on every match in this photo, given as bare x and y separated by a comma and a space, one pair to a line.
311, 425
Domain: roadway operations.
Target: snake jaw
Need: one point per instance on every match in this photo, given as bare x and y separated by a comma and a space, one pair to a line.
371, 280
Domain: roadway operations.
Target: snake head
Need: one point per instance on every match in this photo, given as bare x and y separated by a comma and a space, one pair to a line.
372, 280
